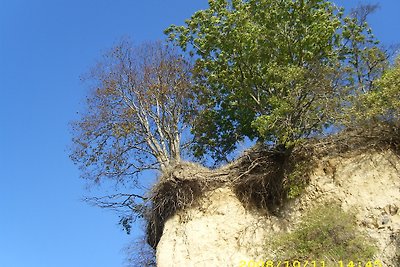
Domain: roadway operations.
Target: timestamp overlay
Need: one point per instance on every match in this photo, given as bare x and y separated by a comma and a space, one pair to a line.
310, 263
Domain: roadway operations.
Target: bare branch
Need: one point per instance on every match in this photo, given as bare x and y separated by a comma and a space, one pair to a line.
136, 114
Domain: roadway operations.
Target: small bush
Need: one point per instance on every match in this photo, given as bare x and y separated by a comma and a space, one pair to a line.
326, 233
297, 174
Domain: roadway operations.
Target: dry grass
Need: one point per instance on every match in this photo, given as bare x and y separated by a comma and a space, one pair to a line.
377, 137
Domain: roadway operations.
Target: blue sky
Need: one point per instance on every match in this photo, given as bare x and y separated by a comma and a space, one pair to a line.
45, 45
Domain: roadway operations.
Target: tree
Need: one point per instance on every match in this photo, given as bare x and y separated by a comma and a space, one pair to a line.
385, 100
274, 71
365, 60
382, 103
365, 67
138, 110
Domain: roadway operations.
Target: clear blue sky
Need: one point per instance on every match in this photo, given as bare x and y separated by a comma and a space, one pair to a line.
45, 45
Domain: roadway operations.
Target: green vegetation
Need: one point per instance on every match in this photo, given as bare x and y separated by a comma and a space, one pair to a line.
325, 233
382, 103
297, 178
276, 71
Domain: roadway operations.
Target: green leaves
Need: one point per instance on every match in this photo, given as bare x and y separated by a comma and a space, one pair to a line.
381, 104
325, 233
276, 71
256, 60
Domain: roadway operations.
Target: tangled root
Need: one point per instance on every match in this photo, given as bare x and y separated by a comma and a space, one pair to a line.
178, 188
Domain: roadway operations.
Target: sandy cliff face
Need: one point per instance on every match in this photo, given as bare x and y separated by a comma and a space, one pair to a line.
368, 184
219, 231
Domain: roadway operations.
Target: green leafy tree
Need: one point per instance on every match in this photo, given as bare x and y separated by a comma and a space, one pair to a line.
275, 71
366, 61
386, 99
382, 103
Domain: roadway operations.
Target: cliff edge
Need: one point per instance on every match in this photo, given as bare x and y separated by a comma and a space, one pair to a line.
215, 218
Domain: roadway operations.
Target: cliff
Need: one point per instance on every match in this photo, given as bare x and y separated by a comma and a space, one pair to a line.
232, 217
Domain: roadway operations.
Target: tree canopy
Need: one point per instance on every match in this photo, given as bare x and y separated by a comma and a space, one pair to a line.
275, 71
138, 111
382, 103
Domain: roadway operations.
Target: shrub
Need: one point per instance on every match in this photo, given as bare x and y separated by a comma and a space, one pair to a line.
326, 233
